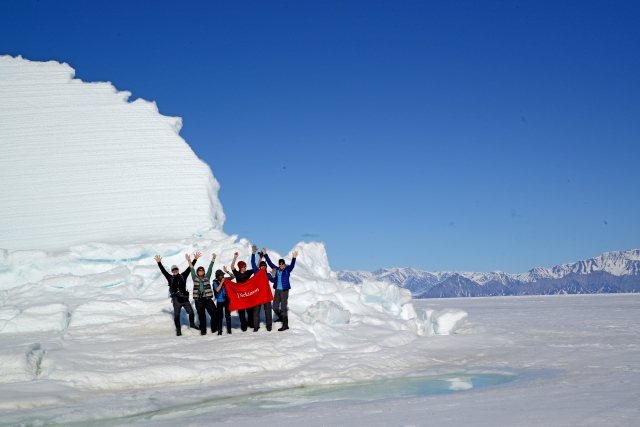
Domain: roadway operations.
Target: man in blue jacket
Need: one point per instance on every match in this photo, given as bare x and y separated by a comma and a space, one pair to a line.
282, 286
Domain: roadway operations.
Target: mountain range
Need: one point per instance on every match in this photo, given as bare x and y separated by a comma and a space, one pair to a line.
611, 272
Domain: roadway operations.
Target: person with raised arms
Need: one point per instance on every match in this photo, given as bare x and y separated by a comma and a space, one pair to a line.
222, 299
266, 305
178, 290
242, 275
281, 285
203, 295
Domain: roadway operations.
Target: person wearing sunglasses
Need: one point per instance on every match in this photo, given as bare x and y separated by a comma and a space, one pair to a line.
282, 286
203, 296
178, 290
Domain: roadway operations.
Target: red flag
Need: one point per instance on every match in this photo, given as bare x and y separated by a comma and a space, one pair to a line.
254, 291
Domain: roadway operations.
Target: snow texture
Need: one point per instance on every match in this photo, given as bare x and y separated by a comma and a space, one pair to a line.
80, 163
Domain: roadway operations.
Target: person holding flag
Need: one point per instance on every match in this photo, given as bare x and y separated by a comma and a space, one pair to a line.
253, 292
242, 275
266, 305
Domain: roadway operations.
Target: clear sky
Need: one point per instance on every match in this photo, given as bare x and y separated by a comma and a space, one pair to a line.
436, 135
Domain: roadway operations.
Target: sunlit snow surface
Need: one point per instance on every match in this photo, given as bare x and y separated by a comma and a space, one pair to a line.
556, 361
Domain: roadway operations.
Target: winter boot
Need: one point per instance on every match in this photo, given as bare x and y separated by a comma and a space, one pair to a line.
192, 320
178, 329
219, 326
285, 324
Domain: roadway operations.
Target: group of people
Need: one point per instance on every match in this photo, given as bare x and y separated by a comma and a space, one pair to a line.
211, 296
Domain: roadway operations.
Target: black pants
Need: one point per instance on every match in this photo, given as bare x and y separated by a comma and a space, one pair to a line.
267, 315
227, 315
280, 299
177, 307
204, 306
246, 318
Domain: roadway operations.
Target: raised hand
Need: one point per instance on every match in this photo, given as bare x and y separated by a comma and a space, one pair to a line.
254, 249
158, 258
213, 257
224, 267
264, 250
197, 255
187, 257
235, 255
295, 254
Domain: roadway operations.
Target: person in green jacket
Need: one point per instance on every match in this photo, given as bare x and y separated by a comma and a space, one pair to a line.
203, 296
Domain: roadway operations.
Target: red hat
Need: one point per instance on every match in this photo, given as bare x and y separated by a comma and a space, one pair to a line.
242, 264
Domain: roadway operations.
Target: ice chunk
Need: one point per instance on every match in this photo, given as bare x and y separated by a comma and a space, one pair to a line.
389, 296
6, 314
327, 312
20, 362
445, 322
53, 317
313, 259
460, 384
100, 312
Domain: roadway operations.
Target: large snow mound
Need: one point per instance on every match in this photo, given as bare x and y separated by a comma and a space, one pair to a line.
98, 317
79, 163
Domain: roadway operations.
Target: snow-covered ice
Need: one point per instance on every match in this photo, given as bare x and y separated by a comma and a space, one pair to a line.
577, 359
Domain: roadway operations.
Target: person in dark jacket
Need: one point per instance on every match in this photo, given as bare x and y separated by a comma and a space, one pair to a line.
203, 296
178, 290
267, 305
242, 275
222, 299
282, 286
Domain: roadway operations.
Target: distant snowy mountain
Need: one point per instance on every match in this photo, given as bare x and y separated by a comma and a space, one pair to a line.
610, 272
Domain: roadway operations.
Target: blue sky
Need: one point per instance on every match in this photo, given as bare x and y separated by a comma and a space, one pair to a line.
436, 135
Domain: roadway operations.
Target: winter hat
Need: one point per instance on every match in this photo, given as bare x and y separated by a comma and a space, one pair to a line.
242, 264
219, 273
174, 267
281, 261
